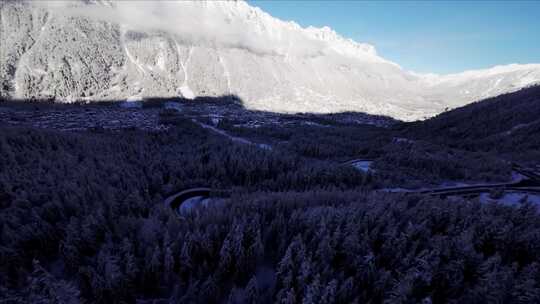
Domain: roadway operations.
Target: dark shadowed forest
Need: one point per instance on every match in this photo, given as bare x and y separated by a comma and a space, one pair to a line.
505, 125
82, 217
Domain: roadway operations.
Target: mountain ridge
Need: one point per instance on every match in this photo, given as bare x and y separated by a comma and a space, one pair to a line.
98, 50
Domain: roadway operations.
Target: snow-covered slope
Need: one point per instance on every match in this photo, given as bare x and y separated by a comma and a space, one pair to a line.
94, 50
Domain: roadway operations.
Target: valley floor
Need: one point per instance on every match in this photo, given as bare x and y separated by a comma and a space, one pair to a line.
289, 209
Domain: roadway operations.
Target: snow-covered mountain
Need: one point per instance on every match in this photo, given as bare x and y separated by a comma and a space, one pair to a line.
95, 50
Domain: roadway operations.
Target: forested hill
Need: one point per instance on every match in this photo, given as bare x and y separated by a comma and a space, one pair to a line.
486, 117
506, 123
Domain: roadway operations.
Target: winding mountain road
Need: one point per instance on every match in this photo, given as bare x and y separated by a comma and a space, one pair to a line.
530, 183
527, 181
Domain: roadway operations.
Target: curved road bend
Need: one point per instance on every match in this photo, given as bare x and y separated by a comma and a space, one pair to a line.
355, 160
174, 201
530, 184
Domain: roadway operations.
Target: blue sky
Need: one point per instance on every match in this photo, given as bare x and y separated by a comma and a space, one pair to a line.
428, 36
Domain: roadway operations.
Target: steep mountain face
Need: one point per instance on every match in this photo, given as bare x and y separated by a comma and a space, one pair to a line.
95, 50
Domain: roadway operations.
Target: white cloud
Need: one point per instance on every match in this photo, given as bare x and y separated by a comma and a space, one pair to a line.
212, 23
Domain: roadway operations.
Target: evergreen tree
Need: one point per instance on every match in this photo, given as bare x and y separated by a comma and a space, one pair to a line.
252, 292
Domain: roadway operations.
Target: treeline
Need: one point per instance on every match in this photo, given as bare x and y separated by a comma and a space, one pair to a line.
328, 141
162, 162
415, 164
399, 162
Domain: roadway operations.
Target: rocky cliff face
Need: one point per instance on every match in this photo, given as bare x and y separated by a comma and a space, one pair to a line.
95, 50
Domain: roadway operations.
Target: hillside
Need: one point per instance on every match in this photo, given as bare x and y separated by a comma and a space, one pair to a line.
508, 123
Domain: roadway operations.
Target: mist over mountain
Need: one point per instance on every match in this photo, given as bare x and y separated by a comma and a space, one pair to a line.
95, 50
